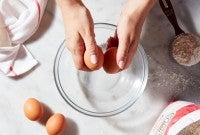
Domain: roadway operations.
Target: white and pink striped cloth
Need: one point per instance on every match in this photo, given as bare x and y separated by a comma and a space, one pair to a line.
175, 118
19, 19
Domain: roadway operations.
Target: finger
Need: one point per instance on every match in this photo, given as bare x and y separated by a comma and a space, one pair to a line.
134, 44
132, 51
128, 44
76, 46
123, 50
90, 44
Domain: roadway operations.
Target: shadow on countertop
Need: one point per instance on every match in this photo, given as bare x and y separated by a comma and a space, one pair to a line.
46, 114
71, 128
164, 72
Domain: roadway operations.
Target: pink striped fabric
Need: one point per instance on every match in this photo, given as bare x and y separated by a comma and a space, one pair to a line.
39, 11
18, 22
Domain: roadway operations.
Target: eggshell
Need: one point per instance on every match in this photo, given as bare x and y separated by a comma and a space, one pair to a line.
112, 42
56, 124
110, 64
99, 63
33, 109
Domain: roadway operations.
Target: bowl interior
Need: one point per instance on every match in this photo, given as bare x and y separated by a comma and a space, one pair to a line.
98, 93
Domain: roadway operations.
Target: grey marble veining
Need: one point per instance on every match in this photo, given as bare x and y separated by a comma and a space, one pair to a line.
159, 51
167, 80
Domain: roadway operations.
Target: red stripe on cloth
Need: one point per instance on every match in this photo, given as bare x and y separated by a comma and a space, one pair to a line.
12, 70
180, 113
39, 10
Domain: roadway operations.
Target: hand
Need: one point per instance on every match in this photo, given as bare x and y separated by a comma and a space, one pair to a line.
129, 28
79, 31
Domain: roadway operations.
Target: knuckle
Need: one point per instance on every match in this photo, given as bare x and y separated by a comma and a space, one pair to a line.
90, 45
123, 54
89, 38
89, 42
91, 49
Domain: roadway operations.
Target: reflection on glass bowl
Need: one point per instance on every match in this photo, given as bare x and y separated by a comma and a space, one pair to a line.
97, 93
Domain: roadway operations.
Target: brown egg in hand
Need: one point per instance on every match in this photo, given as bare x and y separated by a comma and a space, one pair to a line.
33, 109
99, 63
110, 64
55, 124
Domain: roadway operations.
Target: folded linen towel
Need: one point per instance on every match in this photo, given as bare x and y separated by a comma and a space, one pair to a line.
19, 19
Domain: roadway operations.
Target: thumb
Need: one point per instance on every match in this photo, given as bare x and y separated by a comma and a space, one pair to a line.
91, 46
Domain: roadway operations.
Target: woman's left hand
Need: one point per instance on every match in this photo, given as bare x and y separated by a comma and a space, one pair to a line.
129, 28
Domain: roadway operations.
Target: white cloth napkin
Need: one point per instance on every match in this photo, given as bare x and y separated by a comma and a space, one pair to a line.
19, 19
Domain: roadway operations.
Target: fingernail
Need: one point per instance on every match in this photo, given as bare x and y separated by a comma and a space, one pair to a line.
121, 64
93, 59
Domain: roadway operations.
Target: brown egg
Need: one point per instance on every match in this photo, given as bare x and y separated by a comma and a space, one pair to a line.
33, 109
110, 64
99, 63
56, 124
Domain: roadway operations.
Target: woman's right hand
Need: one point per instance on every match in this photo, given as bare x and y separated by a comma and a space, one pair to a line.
79, 31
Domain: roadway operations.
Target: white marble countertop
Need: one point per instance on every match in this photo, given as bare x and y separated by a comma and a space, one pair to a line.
166, 78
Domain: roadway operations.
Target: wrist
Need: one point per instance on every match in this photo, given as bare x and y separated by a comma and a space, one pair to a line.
137, 7
68, 3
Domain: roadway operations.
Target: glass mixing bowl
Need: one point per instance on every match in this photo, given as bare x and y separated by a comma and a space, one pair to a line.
97, 93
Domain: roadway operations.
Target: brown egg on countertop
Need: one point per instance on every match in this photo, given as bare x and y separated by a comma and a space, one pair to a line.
56, 124
33, 109
99, 63
110, 64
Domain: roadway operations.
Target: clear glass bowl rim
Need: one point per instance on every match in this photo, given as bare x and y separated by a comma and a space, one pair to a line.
91, 113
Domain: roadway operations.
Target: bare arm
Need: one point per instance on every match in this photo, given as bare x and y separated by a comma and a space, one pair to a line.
79, 31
